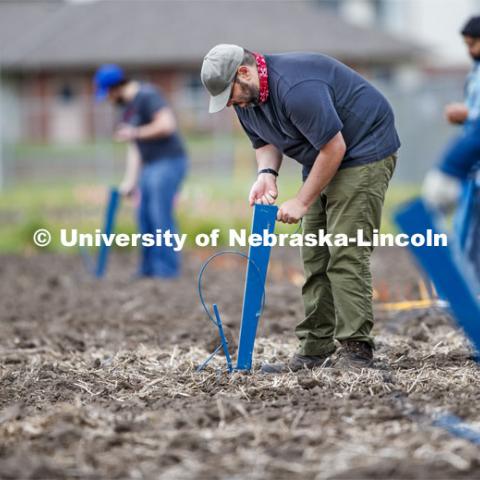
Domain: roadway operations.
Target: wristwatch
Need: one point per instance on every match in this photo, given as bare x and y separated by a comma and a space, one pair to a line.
268, 170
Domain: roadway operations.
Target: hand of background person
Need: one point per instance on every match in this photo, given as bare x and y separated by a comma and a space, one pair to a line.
291, 211
441, 191
127, 188
125, 133
264, 190
456, 113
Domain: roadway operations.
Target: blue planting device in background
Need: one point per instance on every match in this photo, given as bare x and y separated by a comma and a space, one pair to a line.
99, 268
446, 266
264, 217
109, 225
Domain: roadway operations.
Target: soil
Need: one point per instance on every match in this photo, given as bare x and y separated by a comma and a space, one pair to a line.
98, 380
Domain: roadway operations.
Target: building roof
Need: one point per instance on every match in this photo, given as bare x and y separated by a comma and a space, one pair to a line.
39, 35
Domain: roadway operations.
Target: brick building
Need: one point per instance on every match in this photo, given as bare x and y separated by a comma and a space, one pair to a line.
50, 50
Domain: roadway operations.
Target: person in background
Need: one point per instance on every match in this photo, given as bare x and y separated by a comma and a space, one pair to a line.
156, 160
460, 164
467, 112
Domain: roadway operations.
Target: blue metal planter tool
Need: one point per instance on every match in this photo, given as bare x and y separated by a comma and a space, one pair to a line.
448, 271
264, 217
110, 215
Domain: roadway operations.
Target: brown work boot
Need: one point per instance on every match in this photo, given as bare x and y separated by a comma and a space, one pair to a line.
354, 354
298, 362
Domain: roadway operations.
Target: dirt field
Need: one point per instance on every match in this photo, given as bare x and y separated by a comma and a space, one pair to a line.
98, 381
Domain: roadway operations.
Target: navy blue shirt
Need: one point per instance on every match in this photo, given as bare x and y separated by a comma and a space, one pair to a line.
312, 97
141, 111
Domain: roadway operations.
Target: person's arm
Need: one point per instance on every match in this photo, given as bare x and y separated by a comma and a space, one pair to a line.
163, 124
265, 190
325, 167
442, 185
132, 171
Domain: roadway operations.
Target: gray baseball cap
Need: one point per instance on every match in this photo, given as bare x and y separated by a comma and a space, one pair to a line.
218, 72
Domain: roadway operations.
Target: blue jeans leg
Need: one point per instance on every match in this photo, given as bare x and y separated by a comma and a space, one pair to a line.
160, 181
145, 226
473, 241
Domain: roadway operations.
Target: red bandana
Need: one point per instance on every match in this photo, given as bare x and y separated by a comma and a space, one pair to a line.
262, 76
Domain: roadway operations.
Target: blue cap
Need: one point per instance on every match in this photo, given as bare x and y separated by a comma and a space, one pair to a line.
106, 77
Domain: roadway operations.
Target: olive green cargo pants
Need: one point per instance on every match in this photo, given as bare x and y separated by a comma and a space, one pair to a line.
337, 293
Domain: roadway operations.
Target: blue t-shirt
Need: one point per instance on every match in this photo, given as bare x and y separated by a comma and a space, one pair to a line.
141, 111
312, 97
472, 96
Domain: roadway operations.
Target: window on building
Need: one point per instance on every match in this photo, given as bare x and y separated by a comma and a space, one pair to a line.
191, 100
66, 93
194, 92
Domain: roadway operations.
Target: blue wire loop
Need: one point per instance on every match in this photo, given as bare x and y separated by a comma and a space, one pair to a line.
203, 268
218, 323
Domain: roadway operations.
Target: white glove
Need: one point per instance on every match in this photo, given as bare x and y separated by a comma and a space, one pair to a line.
441, 191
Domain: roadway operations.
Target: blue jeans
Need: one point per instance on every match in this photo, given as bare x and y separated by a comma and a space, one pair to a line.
159, 182
473, 242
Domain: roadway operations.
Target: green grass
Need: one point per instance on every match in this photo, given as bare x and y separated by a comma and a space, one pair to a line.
205, 204
198, 142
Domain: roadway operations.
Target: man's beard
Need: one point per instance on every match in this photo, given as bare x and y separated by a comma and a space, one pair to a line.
120, 102
250, 94
475, 58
